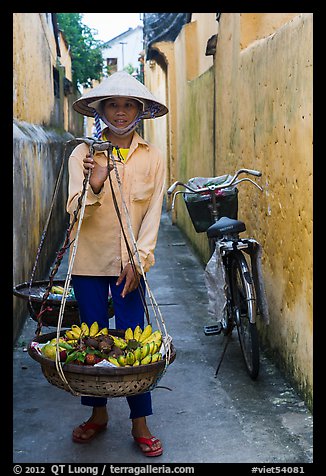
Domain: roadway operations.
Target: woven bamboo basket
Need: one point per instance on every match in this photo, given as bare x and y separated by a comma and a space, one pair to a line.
50, 317
101, 381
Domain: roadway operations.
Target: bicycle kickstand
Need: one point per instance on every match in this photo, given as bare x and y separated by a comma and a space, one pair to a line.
222, 355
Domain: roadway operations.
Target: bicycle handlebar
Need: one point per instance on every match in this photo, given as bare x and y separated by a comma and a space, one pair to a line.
232, 181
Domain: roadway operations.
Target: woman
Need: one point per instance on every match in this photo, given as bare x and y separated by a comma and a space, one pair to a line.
102, 262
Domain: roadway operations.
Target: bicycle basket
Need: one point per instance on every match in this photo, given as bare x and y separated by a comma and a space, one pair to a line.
199, 205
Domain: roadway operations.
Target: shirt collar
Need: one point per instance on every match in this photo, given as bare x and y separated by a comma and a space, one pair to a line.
136, 141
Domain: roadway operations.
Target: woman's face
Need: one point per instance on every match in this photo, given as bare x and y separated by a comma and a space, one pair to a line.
121, 111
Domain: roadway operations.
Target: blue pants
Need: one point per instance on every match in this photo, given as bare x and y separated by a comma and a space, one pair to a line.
91, 293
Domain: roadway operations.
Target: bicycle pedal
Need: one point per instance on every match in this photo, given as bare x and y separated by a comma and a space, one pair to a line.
212, 330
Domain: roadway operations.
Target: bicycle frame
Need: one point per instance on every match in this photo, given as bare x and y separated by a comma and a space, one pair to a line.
227, 249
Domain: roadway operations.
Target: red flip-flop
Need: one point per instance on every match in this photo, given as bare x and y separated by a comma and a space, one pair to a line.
149, 442
88, 425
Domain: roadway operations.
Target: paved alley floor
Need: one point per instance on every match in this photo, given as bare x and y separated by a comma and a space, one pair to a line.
202, 419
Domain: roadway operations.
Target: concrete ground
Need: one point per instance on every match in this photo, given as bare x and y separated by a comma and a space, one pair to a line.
203, 419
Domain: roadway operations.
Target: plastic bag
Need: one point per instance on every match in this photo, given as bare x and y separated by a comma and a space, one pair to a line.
215, 284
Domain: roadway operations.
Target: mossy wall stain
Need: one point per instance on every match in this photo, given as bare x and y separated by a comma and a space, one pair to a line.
196, 148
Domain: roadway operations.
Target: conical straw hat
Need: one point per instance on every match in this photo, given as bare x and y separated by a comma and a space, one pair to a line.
118, 84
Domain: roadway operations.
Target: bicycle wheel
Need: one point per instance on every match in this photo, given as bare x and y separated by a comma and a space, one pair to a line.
244, 301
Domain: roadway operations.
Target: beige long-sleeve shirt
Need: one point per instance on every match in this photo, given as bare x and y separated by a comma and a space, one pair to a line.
101, 248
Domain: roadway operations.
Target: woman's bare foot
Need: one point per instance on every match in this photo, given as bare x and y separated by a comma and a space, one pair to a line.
140, 430
96, 423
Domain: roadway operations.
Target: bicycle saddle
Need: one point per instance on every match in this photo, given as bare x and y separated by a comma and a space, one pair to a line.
224, 226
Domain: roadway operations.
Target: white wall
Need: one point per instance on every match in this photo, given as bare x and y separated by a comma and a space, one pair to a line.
131, 50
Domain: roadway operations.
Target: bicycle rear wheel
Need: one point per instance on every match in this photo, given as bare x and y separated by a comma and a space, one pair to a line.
244, 301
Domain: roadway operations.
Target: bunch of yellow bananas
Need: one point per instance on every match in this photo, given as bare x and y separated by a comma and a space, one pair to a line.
77, 332
141, 347
138, 334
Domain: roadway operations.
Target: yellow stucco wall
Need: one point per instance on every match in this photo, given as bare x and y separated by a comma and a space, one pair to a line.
263, 120
34, 52
268, 126
255, 26
205, 26
34, 56
39, 146
156, 129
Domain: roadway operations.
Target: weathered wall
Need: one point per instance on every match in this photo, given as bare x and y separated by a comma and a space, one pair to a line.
156, 129
194, 122
40, 120
34, 56
204, 26
37, 158
255, 26
196, 148
269, 127
260, 117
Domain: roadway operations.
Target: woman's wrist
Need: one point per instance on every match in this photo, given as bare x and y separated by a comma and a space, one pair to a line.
96, 187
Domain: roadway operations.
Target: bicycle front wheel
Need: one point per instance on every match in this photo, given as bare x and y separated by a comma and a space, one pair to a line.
244, 301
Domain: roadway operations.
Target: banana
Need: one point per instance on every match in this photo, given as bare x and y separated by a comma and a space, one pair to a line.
137, 353
72, 335
72, 341
84, 329
156, 357
94, 329
155, 336
122, 360
57, 290
119, 342
152, 347
144, 350
146, 333
136, 363
76, 329
137, 332
114, 361
102, 332
129, 334
156, 347
130, 358
146, 360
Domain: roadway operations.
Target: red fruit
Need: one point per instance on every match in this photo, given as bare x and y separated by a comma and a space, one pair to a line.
63, 355
90, 359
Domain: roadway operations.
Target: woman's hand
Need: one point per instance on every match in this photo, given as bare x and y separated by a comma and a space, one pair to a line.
99, 173
132, 279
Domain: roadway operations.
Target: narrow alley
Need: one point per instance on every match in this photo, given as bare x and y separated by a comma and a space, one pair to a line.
201, 419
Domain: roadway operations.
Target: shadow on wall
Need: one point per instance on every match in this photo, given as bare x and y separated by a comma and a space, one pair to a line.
37, 158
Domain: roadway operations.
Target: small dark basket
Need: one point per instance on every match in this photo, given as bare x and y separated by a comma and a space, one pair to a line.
199, 207
50, 317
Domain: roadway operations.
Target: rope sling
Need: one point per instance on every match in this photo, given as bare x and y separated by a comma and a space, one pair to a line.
78, 214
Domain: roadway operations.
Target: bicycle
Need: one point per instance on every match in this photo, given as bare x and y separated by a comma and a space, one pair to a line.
219, 202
